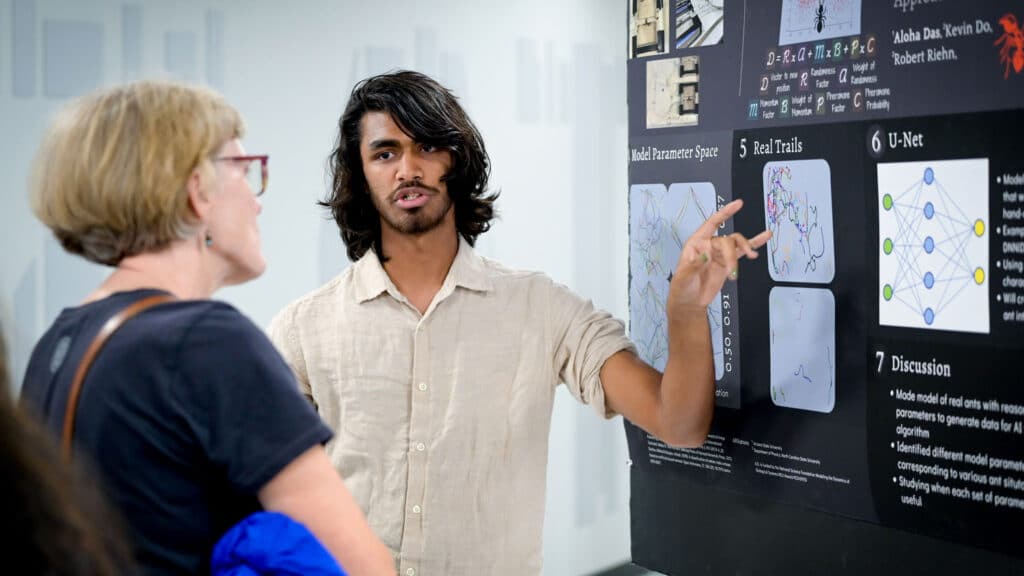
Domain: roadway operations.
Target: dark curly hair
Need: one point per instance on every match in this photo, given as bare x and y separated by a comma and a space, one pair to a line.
429, 114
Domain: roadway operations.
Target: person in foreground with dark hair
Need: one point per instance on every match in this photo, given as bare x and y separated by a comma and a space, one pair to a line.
192, 419
438, 367
55, 519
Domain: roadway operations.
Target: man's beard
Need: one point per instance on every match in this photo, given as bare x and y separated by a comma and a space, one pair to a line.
414, 222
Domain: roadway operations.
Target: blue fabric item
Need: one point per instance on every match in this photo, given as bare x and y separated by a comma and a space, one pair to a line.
271, 544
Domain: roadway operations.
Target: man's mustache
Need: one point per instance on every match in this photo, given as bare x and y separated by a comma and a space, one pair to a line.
415, 184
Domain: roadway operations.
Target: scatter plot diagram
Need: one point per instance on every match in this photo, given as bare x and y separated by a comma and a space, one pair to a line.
798, 211
803, 352
808, 20
660, 222
933, 245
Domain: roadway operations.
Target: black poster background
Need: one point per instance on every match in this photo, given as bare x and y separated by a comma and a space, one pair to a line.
689, 520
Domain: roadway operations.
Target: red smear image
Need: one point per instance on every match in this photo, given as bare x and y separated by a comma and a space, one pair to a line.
1012, 52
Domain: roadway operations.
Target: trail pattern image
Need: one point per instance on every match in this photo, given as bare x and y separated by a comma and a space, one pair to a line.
660, 222
808, 20
933, 245
798, 211
803, 351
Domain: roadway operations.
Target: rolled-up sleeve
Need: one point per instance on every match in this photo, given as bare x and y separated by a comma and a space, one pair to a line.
584, 338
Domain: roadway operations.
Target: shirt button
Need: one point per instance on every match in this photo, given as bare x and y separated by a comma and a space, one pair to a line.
416, 509
423, 386
411, 572
421, 447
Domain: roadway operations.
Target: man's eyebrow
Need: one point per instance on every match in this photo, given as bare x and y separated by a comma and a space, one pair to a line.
383, 143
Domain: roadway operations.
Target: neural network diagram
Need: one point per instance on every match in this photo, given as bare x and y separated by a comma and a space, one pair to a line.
803, 351
808, 20
660, 222
933, 245
798, 211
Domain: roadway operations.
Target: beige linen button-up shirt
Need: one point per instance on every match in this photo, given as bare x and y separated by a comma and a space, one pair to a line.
442, 419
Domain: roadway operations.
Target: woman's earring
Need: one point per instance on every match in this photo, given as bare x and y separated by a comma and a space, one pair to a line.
209, 241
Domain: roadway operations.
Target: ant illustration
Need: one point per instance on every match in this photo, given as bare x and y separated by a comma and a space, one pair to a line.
1012, 39
819, 16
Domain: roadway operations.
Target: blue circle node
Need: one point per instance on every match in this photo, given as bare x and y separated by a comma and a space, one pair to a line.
929, 176
929, 210
929, 280
929, 245
929, 316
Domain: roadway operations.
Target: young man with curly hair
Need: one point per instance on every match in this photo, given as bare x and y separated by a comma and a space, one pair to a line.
438, 367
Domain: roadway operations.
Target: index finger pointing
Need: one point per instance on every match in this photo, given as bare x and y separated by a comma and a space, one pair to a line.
761, 239
707, 229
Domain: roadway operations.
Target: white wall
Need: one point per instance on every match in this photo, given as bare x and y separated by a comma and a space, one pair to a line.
544, 81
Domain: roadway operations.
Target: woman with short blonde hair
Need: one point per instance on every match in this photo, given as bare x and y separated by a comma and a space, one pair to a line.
191, 416
110, 178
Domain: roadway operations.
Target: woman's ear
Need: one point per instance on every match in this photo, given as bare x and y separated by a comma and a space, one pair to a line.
198, 195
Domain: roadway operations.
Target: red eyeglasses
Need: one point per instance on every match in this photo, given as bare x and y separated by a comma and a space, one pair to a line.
257, 179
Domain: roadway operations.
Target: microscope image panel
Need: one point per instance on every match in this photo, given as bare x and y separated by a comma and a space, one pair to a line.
673, 93
698, 22
810, 20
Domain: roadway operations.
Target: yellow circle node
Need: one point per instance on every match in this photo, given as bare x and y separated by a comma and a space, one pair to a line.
979, 275
979, 227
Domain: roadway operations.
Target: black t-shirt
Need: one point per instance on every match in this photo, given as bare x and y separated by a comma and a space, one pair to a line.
186, 413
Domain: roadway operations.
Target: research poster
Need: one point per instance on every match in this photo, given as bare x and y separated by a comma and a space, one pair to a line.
868, 364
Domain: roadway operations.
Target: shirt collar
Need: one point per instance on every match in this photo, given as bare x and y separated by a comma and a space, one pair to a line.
468, 271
